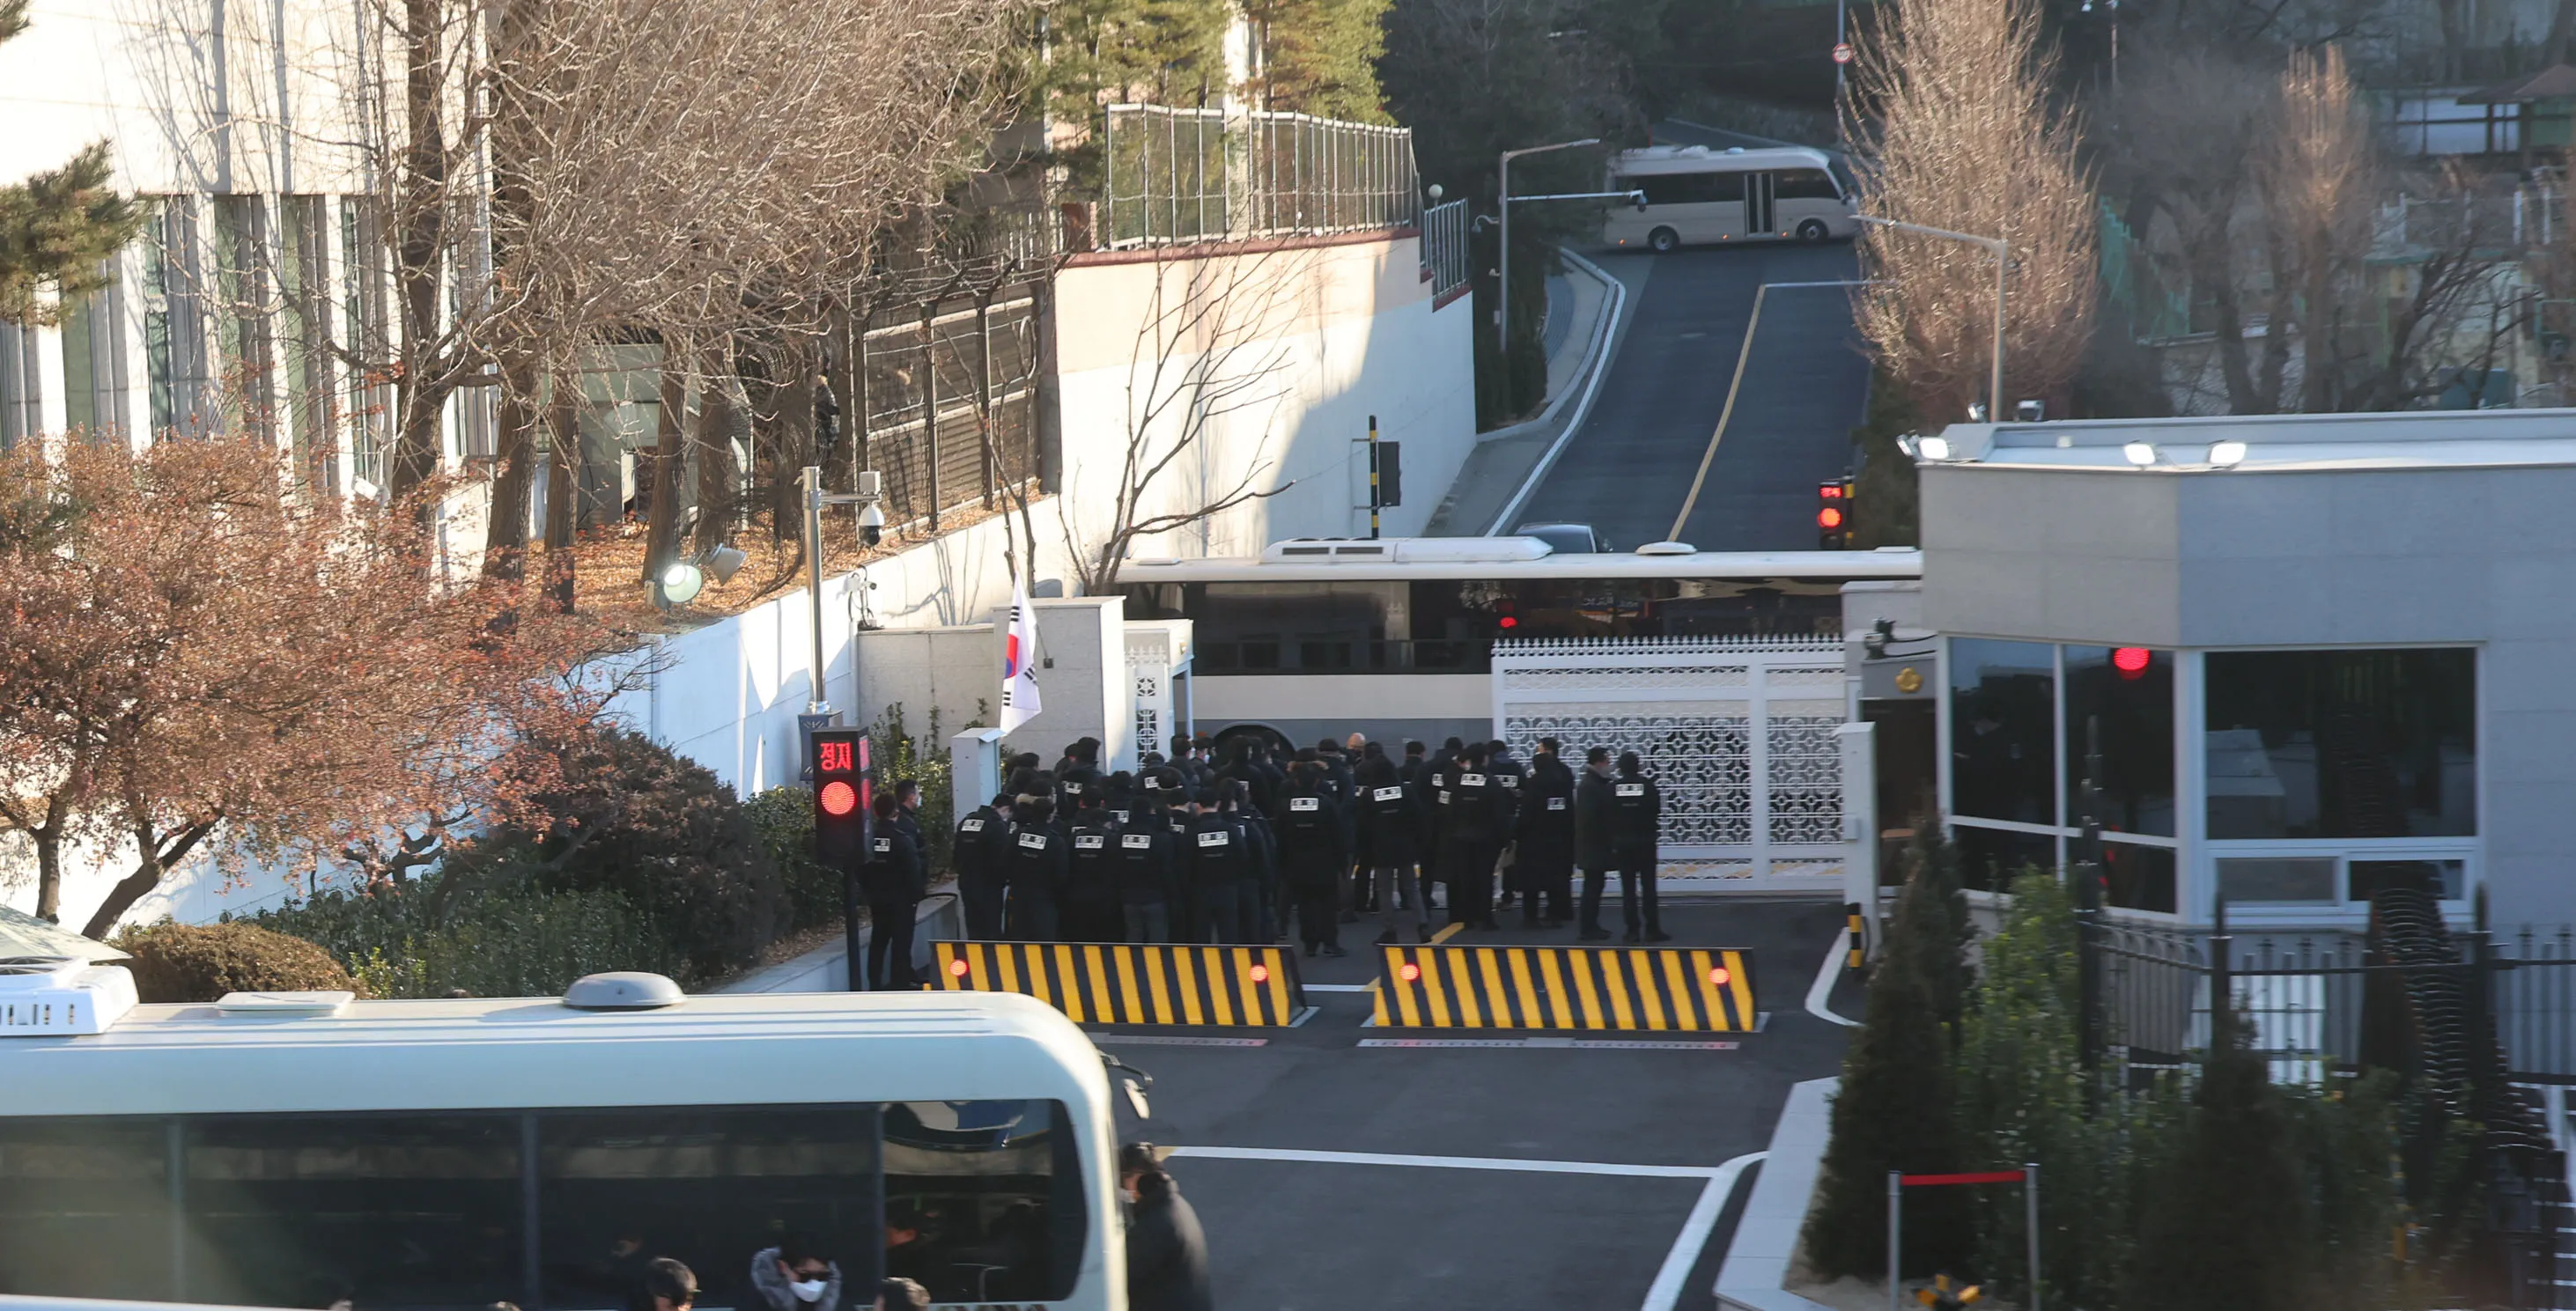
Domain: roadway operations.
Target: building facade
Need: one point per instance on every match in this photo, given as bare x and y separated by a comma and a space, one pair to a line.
2300, 657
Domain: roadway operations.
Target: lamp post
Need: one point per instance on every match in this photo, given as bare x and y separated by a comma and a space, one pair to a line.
1503, 202
871, 526
2003, 260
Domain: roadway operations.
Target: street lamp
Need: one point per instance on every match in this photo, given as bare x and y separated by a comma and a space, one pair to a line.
2003, 260
871, 490
1503, 334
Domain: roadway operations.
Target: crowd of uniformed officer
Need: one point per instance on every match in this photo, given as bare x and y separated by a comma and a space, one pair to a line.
1193, 849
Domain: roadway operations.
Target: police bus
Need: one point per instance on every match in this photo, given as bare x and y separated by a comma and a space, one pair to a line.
1695, 194
295, 1150
1396, 637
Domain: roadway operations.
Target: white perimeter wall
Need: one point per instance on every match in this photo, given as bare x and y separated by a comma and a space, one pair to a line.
1327, 336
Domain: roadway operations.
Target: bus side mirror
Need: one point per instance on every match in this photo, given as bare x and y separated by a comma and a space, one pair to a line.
1638, 199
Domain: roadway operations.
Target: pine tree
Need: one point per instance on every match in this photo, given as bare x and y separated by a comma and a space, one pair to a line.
1897, 1109
2227, 1225
1320, 56
58, 227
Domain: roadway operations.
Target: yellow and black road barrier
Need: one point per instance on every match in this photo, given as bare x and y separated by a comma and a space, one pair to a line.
1119, 983
1469, 987
1857, 946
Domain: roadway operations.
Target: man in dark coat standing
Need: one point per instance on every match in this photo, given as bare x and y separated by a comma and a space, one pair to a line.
1544, 869
1636, 816
1167, 1262
1592, 846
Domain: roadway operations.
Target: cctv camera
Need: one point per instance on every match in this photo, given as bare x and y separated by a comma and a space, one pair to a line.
871, 524
1638, 198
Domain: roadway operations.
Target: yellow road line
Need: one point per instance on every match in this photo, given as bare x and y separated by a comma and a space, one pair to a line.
1448, 931
1724, 413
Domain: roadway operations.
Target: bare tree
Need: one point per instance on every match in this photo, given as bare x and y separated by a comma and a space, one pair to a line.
1967, 138
1210, 356
2317, 177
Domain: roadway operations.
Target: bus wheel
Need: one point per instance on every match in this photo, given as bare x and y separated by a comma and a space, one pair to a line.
1812, 230
1663, 240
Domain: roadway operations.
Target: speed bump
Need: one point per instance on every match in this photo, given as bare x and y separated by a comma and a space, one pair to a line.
1124, 983
1471, 987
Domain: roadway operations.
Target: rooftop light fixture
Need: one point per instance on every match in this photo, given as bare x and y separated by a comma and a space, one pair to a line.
2227, 455
2140, 454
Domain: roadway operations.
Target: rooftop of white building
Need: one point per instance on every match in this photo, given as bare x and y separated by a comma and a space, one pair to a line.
2242, 444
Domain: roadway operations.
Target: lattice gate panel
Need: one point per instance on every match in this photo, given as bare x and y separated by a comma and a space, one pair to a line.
1739, 733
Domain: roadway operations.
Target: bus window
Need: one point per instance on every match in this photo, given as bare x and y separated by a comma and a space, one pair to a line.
708, 1187
983, 1200
85, 1209
1690, 188
1805, 184
387, 1210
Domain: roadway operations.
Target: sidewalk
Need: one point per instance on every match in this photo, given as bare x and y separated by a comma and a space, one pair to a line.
824, 969
1505, 458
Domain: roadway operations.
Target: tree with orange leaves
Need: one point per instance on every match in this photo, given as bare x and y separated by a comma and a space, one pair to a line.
202, 658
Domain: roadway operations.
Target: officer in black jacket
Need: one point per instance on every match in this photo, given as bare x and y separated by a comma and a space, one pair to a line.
1089, 910
1592, 846
1220, 869
1147, 889
1313, 852
1467, 840
978, 849
1636, 815
1078, 776
1256, 915
1037, 869
1506, 773
1545, 838
894, 881
1390, 826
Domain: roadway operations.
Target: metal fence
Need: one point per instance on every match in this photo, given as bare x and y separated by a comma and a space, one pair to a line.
1446, 251
944, 401
2319, 1001
1181, 175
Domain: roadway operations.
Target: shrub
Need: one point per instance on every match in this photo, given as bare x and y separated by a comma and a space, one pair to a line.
635, 819
522, 941
1896, 1109
201, 962
784, 819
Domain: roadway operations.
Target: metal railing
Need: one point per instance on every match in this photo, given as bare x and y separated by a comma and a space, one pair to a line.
1446, 250
1182, 175
2309, 997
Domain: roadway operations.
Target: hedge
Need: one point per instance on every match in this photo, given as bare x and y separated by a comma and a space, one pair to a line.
201, 962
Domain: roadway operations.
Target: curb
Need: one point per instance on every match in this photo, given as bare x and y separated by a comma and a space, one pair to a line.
1766, 1237
1596, 365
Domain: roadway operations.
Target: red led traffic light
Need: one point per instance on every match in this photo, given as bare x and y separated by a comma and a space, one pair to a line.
839, 798
1830, 517
2131, 661
840, 761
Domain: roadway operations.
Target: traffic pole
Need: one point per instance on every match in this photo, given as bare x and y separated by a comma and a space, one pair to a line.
1895, 1230
2030, 1200
1375, 496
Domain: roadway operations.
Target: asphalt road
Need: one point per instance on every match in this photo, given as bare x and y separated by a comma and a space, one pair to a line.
1291, 1234
1629, 470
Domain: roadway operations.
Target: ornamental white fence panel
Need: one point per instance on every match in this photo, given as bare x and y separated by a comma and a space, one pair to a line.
1739, 732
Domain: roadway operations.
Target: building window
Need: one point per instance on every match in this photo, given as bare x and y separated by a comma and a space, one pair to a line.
2122, 698
1991, 858
2003, 730
2136, 876
2342, 744
2276, 879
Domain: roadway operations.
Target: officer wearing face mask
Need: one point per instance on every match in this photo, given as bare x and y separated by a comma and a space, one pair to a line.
792, 1276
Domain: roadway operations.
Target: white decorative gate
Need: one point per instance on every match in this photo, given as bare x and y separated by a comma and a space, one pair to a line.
1739, 733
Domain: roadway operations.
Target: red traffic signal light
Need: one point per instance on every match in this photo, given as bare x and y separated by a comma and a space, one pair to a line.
1834, 514
840, 797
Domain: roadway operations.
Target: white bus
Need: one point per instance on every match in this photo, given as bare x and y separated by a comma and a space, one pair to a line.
1695, 195
446, 1155
1395, 638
